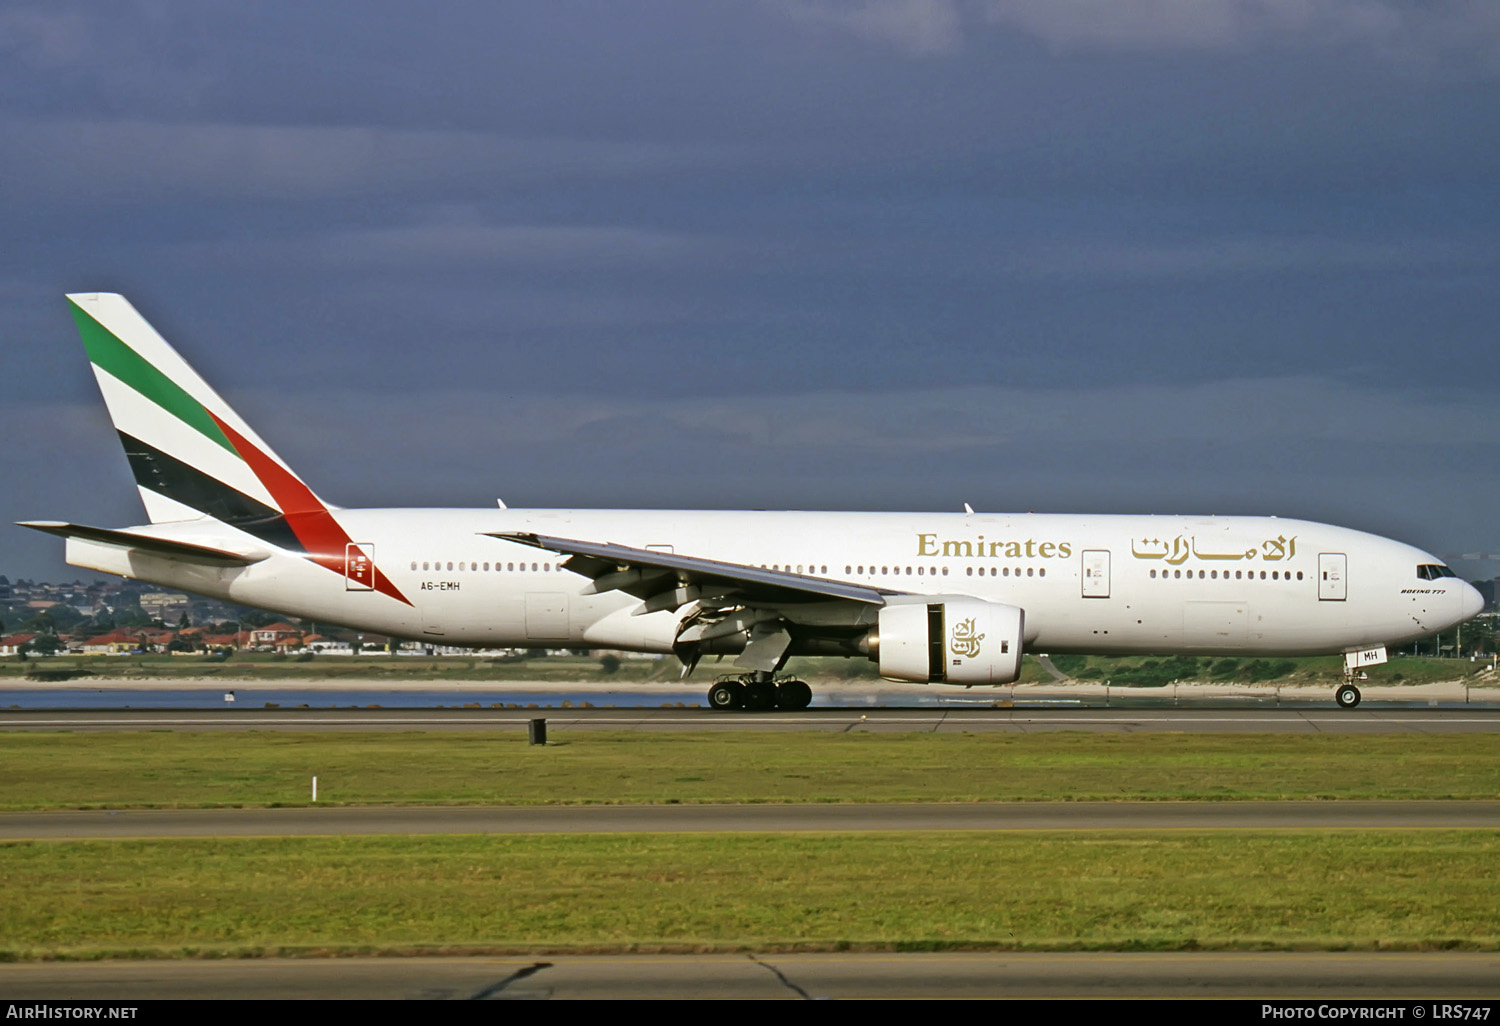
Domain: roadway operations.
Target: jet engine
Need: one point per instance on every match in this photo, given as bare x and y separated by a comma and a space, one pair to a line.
949, 640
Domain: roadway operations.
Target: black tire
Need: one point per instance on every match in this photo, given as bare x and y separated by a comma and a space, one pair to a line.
725, 695
1347, 696
760, 696
793, 694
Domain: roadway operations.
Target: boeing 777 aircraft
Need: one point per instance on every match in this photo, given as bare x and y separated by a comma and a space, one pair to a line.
932, 598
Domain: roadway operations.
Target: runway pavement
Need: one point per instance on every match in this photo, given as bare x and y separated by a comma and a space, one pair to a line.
1308, 976
1249, 720
1008, 816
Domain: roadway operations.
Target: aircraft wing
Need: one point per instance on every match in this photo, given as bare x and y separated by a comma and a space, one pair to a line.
666, 580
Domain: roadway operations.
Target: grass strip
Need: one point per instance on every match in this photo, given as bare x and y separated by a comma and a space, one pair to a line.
1159, 891
188, 769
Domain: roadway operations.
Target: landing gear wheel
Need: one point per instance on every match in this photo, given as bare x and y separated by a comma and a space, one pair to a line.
1347, 696
725, 695
760, 695
793, 694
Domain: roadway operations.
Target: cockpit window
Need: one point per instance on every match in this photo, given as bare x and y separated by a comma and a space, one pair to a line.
1432, 571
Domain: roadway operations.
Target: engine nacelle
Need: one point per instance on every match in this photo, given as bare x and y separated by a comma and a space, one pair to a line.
950, 640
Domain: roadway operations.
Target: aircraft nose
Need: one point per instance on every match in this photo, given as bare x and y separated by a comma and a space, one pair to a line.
1471, 601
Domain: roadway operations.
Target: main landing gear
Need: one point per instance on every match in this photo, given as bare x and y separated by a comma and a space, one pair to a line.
758, 691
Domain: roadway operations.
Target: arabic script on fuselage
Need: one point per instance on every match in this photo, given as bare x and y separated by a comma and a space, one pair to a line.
1180, 549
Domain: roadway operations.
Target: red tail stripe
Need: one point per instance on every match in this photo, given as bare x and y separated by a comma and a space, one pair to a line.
325, 541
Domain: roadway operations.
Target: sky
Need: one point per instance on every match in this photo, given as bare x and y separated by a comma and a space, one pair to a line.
1158, 256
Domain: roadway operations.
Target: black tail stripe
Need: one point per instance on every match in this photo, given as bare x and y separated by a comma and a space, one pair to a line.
167, 475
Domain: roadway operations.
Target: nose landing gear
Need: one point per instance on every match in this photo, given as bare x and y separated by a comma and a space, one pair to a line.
759, 691
1347, 696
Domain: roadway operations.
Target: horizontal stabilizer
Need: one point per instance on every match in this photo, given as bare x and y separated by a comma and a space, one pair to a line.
166, 547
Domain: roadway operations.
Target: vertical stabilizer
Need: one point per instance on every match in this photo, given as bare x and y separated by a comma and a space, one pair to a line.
191, 454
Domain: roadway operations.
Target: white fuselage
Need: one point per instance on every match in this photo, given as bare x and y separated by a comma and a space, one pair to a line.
1088, 584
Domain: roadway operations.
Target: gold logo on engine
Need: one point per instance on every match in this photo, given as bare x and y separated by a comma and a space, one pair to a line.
965, 640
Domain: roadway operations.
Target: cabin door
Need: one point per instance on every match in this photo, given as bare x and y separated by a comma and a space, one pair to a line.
359, 566
1096, 573
1332, 587
547, 616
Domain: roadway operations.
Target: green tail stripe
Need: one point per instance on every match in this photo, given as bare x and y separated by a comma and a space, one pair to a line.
109, 353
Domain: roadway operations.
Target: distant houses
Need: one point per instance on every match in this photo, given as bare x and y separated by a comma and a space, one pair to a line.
276, 637
124, 641
280, 637
11, 644
123, 601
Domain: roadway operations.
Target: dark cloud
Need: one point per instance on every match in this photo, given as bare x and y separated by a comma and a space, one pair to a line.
1217, 255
